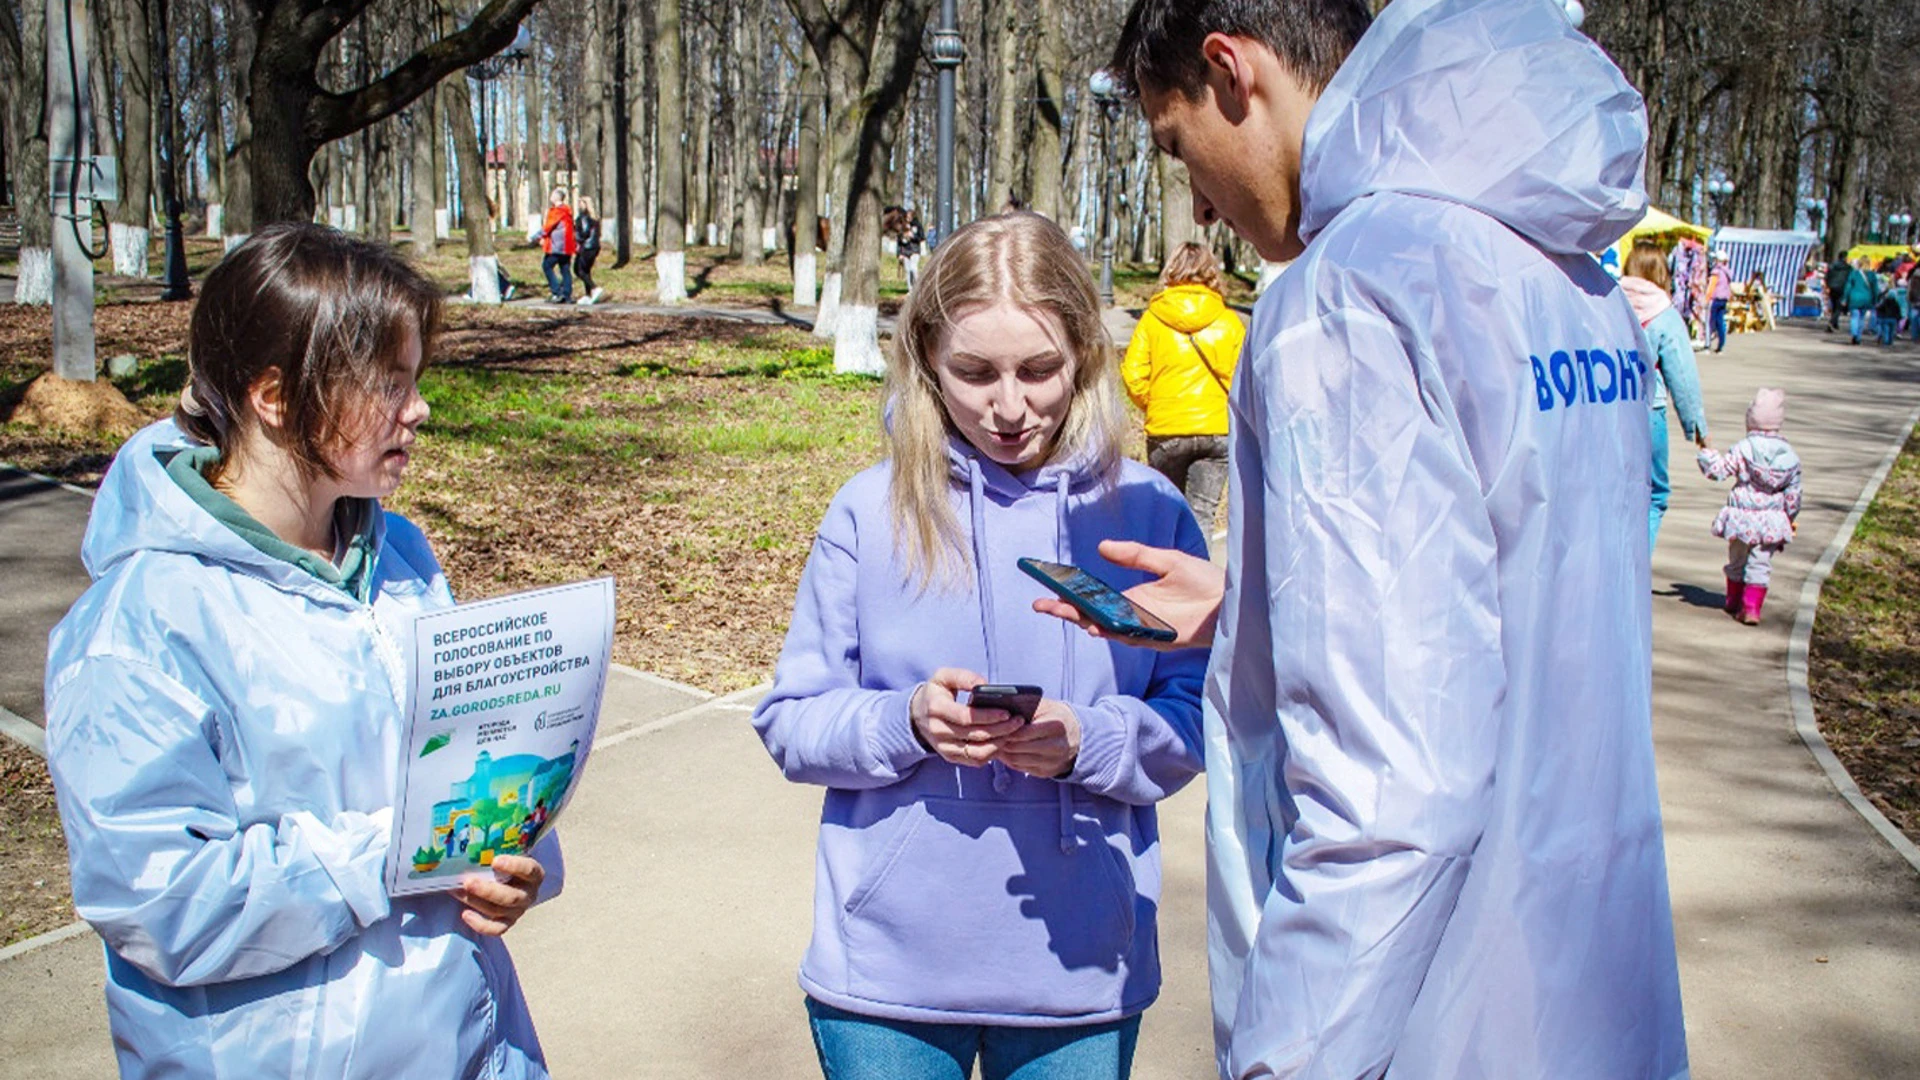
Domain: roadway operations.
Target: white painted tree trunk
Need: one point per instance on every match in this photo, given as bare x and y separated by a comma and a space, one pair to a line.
806, 286
35, 287
713, 234
823, 320
856, 341
1269, 273
216, 220
442, 223
639, 230
233, 240
129, 243
671, 268
483, 279
692, 235
351, 213
769, 240
337, 217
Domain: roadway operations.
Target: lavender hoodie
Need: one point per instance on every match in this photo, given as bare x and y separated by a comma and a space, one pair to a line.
983, 895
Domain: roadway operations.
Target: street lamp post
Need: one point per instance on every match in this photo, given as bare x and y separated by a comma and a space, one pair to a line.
948, 52
1106, 93
484, 72
1901, 222
1719, 190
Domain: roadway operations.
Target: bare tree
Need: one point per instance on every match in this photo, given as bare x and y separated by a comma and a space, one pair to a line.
868, 50
294, 116
670, 256
127, 231
27, 120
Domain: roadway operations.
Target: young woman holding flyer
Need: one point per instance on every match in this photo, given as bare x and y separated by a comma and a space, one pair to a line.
224, 704
987, 882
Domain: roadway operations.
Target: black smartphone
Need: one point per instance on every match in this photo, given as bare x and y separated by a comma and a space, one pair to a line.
1100, 602
1019, 701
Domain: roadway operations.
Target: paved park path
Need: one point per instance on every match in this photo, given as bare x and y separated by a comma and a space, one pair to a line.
671, 953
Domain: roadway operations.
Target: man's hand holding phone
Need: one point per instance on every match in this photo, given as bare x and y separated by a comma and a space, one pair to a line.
959, 733
1185, 594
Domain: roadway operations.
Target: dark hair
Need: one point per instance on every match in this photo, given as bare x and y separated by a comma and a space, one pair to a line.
327, 311
1160, 44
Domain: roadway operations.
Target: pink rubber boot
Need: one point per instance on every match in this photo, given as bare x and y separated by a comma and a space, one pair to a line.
1736, 597
1750, 609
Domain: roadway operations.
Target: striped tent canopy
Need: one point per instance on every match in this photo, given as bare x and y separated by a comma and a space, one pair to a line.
1778, 255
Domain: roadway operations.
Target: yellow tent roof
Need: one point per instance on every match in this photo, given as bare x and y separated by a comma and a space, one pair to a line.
1876, 252
1658, 222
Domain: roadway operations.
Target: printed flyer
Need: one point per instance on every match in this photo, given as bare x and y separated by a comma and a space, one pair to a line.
505, 695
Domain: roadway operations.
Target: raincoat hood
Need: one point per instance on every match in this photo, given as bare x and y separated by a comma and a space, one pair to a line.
1500, 105
139, 508
1187, 308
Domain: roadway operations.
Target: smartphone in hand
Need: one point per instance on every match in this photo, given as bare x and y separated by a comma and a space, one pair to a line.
1019, 701
1100, 602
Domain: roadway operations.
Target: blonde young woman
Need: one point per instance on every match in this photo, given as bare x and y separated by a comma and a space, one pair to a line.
987, 883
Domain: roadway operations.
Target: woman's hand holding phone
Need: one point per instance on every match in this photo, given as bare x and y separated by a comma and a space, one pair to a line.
1185, 594
959, 734
1045, 746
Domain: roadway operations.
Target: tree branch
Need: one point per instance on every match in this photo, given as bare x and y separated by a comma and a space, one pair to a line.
331, 116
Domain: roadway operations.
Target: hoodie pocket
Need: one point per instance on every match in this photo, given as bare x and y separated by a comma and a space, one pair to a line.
974, 907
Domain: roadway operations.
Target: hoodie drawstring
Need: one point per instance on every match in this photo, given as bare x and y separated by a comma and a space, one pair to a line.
977, 488
1067, 636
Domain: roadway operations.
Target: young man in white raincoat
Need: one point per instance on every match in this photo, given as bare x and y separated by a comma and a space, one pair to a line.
1435, 839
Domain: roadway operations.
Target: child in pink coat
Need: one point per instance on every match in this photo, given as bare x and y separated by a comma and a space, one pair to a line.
1762, 509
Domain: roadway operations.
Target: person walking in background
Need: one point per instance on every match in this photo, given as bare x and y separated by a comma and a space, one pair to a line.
1838, 273
1913, 302
1890, 309
1178, 369
987, 878
1719, 294
1763, 508
913, 238
555, 236
586, 238
1862, 293
1674, 373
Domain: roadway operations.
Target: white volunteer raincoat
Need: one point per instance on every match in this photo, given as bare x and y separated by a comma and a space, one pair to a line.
223, 730
1435, 837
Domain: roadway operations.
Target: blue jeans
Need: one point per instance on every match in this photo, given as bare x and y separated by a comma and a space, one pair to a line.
1662, 484
1857, 323
1887, 328
1718, 321
855, 1047
559, 271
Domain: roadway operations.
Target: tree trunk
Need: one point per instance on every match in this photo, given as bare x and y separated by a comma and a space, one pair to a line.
425, 131
869, 51
640, 84
1176, 206
593, 87
670, 256
29, 119
1008, 86
131, 216
238, 84
1044, 164
747, 111
700, 171
483, 267
803, 240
